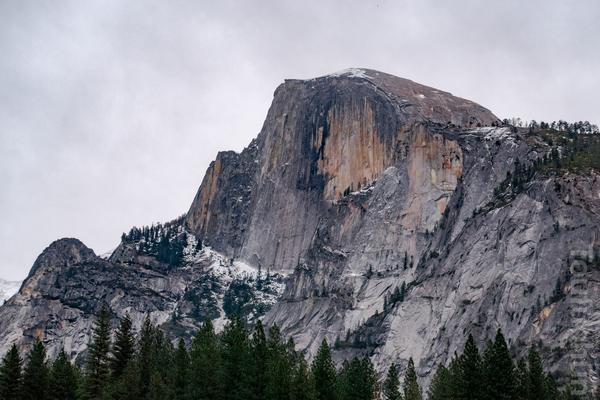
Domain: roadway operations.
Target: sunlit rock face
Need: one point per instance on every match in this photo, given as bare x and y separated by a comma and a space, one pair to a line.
359, 183
324, 138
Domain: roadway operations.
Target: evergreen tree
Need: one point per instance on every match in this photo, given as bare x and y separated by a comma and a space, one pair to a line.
228, 366
470, 376
412, 391
324, 374
10, 375
35, 374
236, 360
182, 364
440, 386
157, 389
128, 386
62, 384
455, 381
342, 381
123, 348
551, 388
369, 379
260, 354
391, 385
205, 364
303, 385
499, 371
537, 380
146, 355
357, 380
165, 359
522, 381
279, 367
97, 367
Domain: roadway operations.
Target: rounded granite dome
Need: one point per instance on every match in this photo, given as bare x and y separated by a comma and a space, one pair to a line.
420, 102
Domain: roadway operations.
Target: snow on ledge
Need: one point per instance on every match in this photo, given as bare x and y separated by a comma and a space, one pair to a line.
351, 73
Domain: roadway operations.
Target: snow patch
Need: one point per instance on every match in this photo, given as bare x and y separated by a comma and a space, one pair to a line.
267, 288
351, 73
492, 133
365, 190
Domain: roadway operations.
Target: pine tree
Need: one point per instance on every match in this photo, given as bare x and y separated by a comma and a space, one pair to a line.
157, 389
470, 378
303, 385
551, 388
342, 381
499, 371
164, 366
129, 386
357, 380
537, 379
35, 374
236, 359
123, 348
455, 381
182, 364
226, 366
279, 367
522, 381
62, 383
440, 386
146, 354
369, 383
412, 391
10, 375
324, 374
391, 385
97, 367
260, 353
205, 364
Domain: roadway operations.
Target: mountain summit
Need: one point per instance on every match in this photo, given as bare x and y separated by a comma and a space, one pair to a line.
322, 138
386, 216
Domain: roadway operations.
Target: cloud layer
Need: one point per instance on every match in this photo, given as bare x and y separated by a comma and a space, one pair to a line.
110, 111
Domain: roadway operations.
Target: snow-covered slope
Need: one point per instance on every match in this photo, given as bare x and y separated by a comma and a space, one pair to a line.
68, 279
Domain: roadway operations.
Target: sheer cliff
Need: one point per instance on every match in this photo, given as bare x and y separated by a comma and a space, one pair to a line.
360, 186
322, 138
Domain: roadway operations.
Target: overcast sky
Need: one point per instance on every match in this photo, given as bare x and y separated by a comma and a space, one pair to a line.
110, 111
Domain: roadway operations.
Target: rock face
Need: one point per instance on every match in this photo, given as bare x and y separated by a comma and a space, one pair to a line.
358, 183
324, 137
68, 285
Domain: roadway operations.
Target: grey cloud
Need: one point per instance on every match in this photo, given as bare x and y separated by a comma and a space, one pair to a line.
110, 111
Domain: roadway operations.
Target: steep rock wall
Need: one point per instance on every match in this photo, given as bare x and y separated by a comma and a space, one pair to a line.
323, 138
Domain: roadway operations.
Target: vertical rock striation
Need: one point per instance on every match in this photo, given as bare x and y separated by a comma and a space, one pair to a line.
322, 139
